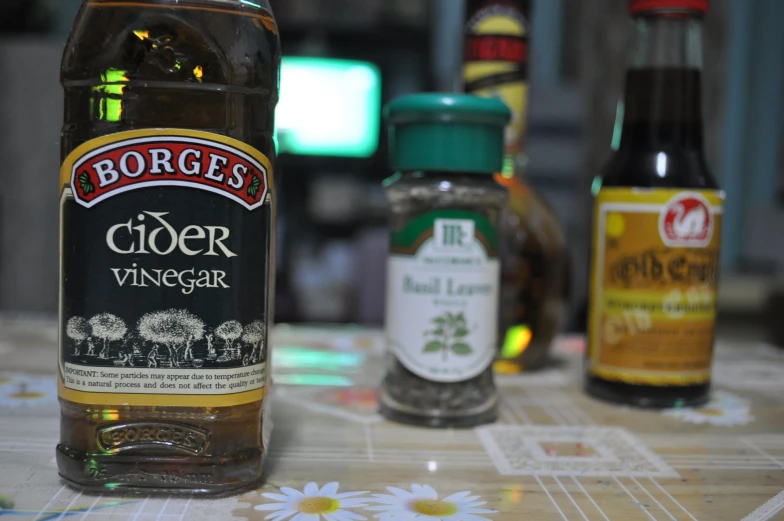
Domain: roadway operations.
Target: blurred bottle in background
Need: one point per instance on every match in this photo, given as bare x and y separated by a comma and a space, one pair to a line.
534, 271
496, 61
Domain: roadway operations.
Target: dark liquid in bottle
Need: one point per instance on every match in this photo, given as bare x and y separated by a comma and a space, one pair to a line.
661, 147
662, 115
201, 65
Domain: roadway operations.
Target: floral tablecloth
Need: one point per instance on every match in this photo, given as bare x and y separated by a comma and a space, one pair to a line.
555, 454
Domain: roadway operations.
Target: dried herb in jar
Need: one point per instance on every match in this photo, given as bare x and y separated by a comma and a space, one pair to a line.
444, 270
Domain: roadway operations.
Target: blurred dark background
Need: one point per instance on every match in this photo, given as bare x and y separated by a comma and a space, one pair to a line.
333, 240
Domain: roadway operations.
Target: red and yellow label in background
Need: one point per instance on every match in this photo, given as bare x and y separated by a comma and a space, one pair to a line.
653, 287
496, 62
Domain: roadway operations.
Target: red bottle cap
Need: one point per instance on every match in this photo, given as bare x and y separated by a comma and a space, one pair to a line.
641, 6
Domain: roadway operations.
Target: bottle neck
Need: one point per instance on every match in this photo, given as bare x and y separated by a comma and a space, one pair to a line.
662, 107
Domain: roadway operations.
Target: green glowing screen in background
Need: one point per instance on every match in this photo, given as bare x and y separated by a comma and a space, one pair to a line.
328, 107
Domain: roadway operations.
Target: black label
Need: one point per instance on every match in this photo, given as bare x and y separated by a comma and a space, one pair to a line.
162, 283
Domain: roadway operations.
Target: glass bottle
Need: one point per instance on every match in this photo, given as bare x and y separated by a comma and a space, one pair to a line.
657, 226
167, 244
535, 273
534, 269
443, 270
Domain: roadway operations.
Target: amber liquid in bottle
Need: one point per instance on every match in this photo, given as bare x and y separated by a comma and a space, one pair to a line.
661, 146
207, 65
534, 279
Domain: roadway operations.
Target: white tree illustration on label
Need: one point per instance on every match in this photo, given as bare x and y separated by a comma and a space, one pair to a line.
229, 332
107, 327
177, 330
78, 330
253, 334
169, 342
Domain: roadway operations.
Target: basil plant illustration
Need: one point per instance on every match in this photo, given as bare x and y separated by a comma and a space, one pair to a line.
448, 336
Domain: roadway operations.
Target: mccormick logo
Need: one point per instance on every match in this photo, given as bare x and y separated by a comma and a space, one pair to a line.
163, 160
687, 221
455, 234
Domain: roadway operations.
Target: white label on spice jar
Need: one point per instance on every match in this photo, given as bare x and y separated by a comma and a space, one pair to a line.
442, 296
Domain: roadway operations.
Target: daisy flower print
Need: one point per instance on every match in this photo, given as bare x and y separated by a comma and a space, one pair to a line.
26, 392
723, 409
422, 503
313, 504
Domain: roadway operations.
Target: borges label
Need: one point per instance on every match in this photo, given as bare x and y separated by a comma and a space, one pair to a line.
166, 242
168, 161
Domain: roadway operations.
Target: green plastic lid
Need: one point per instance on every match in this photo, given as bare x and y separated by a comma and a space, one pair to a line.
447, 132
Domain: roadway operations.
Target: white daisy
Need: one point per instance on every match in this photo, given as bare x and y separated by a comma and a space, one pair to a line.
314, 503
724, 408
422, 504
24, 391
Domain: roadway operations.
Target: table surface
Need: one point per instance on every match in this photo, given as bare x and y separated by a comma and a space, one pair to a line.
554, 454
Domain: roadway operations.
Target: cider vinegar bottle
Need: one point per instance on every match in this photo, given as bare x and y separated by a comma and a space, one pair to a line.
167, 244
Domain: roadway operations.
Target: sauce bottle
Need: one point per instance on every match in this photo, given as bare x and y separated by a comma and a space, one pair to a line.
657, 225
167, 244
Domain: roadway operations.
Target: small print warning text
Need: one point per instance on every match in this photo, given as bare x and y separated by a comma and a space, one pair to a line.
165, 381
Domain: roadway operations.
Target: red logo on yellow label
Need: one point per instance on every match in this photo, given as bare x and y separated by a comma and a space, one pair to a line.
169, 160
687, 221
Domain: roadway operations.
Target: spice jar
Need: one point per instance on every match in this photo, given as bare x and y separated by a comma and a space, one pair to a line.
443, 270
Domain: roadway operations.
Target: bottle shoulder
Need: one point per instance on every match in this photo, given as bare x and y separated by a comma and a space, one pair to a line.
677, 168
445, 181
428, 176
444, 190
194, 41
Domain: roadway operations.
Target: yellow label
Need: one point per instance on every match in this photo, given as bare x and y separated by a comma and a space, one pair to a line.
653, 285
